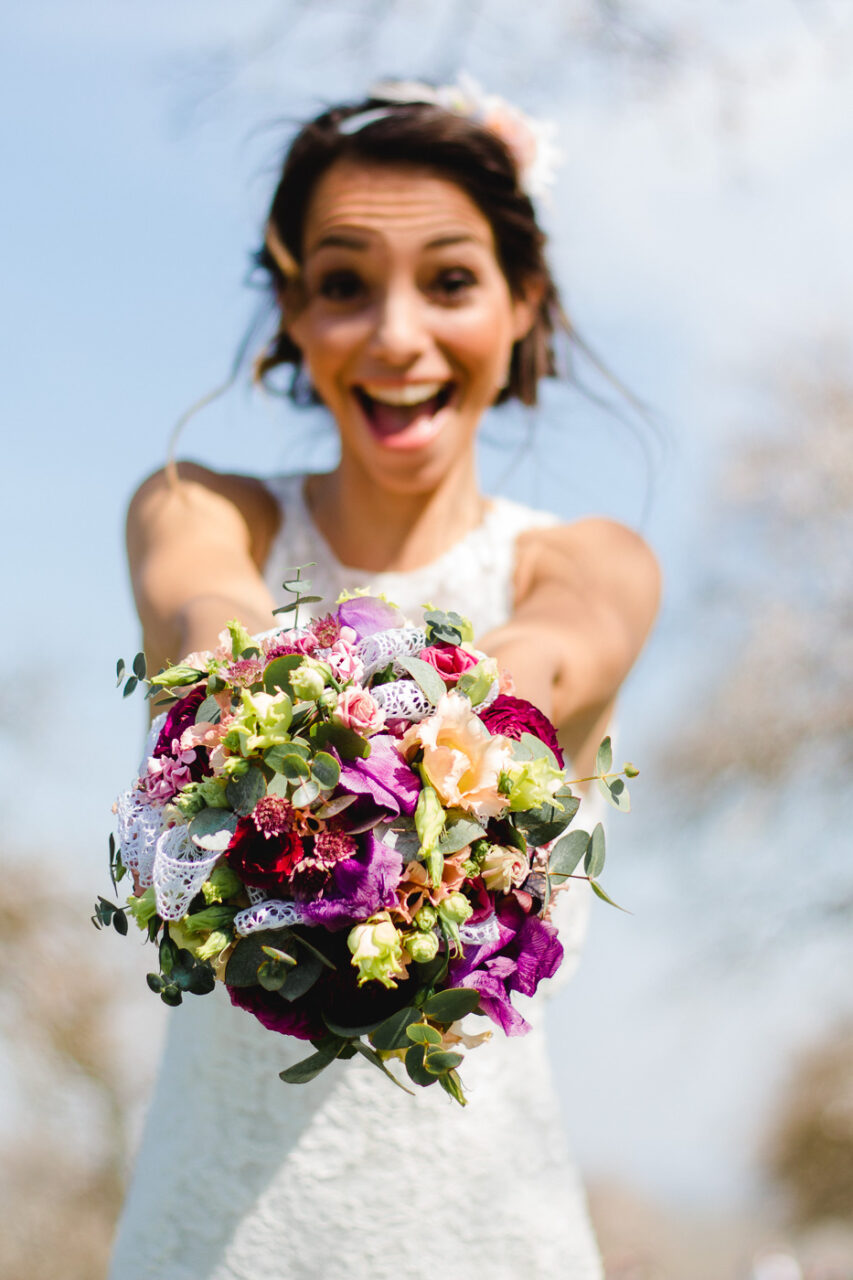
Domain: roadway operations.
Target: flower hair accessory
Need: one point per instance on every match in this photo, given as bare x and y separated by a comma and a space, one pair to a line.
530, 142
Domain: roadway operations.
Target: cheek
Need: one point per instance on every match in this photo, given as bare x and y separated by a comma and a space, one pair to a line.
482, 344
328, 342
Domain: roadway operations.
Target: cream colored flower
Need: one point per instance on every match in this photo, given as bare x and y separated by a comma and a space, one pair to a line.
462, 760
503, 867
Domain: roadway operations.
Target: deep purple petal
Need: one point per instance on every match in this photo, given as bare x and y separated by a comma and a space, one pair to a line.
277, 1014
384, 776
361, 886
367, 615
181, 716
514, 716
494, 1001
538, 953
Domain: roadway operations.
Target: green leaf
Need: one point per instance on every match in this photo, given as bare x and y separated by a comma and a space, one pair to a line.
243, 793
593, 862
542, 825
455, 1002
451, 1084
212, 829
120, 670
391, 1034
437, 1061
155, 982
120, 923
202, 980
305, 794
130, 686
171, 995
425, 676
336, 805
351, 1033
277, 673
248, 956
423, 1033
616, 793
475, 683
278, 786
325, 770
310, 1067
536, 749
599, 893
293, 766
272, 975
604, 757
348, 744
275, 953
366, 1052
301, 977
208, 711
567, 853
417, 1072
460, 829
139, 667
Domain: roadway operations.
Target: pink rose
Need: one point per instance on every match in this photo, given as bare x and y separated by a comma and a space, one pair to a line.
449, 660
358, 710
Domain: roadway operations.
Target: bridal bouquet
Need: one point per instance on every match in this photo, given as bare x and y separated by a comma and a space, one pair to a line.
356, 828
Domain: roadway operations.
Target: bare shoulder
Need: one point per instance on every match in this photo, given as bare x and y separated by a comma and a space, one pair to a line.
225, 504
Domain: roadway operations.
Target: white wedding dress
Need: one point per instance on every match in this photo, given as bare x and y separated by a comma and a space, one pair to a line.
242, 1177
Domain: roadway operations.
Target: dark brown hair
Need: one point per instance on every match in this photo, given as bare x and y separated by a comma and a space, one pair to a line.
455, 147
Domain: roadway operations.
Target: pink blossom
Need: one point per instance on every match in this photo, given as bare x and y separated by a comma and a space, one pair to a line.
344, 660
166, 775
358, 710
449, 660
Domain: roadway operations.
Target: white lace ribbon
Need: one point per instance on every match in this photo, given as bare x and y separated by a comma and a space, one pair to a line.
139, 826
273, 913
403, 700
483, 931
378, 650
180, 869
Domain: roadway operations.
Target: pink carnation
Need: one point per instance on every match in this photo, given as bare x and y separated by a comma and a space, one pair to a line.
166, 775
344, 660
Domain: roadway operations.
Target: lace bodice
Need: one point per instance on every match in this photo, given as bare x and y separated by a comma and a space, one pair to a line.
241, 1177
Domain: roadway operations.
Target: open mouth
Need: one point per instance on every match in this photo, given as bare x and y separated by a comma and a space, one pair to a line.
406, 410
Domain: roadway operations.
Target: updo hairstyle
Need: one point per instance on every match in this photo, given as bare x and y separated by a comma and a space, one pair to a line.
455, 147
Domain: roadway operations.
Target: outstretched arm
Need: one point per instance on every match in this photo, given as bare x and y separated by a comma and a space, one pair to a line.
585, 598
196, 548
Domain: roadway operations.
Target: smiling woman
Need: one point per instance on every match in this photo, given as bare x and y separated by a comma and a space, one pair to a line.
409, 274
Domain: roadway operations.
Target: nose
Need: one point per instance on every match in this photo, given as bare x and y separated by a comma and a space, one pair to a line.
400, 334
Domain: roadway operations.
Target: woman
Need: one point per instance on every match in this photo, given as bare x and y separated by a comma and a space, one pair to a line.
413, 292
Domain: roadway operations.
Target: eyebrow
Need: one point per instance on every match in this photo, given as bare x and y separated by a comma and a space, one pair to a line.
351, 240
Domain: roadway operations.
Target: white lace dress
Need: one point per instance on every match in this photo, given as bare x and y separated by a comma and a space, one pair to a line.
241, 1177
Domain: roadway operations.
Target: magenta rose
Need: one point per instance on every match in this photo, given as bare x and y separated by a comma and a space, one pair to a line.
265, 847
514, 716
449, 660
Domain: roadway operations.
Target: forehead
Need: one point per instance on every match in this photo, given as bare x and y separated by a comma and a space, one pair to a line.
409, 204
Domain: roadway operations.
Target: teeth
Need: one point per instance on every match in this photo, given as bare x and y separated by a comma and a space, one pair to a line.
410, 394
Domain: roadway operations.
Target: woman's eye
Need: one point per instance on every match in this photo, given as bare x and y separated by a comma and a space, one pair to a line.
340, 286
454, 282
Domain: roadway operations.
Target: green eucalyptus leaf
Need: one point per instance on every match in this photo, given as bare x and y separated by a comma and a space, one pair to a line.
209, 711
366, 1052
212, 829
437, 1061
120, 923
202, 980
449, 1005
351, 1033
604, 757
309, 1068
277, 673
423, 1033
120, 670
155, 982
139, 666
294, 767
335, 805
594, 859
248, 956
459, 829
415, 1068
616, 793
171, 995
305, 794
301, 977
567, 853
243, 793
599, 893
130, 686
348, 744
425, 676
325, 770
391, 1034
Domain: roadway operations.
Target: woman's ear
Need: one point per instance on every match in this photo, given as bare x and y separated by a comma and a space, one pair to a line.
526, 307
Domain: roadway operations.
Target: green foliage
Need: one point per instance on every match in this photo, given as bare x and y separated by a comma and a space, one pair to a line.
604, 757
423, 1033
208, 711
459, 829
277, 673
348, 744
566, 854
475, 683
212, 829
249, 954
244, 792
452, 1004
437, 1061
450, 627
325, 770
425, 676
309, 1068
393, 1032
595, 853
415, 1068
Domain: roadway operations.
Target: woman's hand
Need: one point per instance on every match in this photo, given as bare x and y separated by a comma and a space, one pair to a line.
586, 596
196, 544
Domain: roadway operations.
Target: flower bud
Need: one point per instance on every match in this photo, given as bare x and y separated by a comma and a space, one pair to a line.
630, 770
376, 948
328, 700
503, 867
213, 945
456, 907
426, 917
222, 883
422, 947
308, 680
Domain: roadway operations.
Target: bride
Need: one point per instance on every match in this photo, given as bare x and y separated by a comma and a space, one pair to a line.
408, 269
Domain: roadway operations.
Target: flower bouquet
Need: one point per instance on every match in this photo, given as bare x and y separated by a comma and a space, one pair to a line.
356, 828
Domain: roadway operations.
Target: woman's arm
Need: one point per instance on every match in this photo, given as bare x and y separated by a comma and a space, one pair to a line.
196, 549
586, 596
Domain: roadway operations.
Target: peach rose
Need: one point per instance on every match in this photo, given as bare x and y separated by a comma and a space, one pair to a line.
462, 760
358, 710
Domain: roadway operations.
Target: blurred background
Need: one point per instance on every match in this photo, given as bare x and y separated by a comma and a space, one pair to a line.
700, 230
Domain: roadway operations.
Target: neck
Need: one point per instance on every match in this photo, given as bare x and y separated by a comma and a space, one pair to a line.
371, 526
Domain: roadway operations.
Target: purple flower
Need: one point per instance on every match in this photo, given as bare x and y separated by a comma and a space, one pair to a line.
383, 778
367, 615
526, 951
514, 716
359, 886
290, 1018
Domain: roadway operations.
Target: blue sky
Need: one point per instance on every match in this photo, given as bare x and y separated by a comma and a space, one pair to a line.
700, 231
